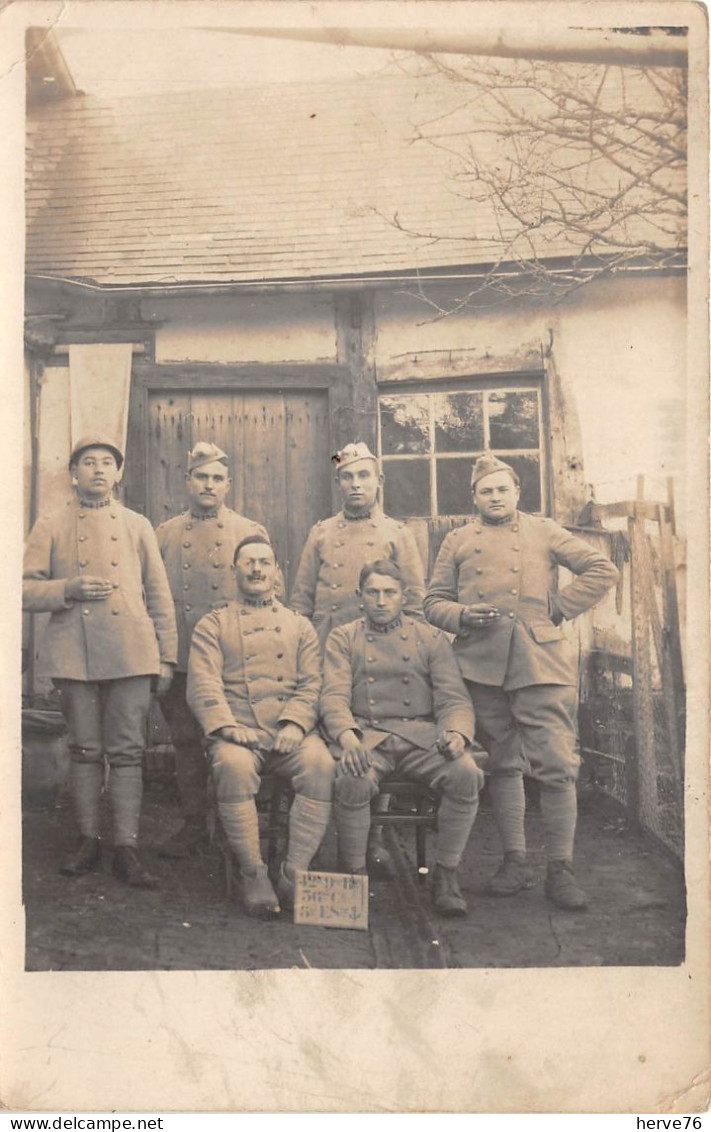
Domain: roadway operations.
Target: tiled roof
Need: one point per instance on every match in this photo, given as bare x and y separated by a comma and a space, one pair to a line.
251, 184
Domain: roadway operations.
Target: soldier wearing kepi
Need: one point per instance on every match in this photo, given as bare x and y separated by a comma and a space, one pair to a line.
95, 566
197, 547
394, 700
254, 679
494, 586
326, 586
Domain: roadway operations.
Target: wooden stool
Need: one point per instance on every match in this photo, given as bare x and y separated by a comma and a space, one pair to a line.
421, 813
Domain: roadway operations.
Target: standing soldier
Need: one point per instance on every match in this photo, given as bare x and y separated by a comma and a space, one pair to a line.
494, 586
254, 680
326, 586
95, 566
197, 547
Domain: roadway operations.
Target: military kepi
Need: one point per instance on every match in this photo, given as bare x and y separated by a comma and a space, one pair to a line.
95, 441
206, 453
487, 463
351, 453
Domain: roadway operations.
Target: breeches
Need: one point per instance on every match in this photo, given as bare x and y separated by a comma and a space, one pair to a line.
459, 779
184, 728
236, 770
106, 717
528, 731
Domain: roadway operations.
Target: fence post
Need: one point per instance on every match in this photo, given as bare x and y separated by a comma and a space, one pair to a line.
642, 674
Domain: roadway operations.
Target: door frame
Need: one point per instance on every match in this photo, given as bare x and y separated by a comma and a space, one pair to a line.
149, 377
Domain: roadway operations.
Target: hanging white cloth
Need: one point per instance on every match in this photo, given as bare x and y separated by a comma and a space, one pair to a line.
100, 383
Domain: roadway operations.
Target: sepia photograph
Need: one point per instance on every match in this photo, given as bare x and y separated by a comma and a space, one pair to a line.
358, 491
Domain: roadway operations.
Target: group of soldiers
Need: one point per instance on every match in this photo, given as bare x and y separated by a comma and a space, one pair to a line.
361, 673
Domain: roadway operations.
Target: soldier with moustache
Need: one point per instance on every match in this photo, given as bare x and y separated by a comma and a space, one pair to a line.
254, 678
394, 701
197, 547
326, 585
95, 566
494, 586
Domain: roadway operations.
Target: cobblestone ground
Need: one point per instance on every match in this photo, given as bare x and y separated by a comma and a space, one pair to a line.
636, 914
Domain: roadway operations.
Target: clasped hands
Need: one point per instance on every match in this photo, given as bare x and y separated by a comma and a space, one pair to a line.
286, 740
479, 616
356, 759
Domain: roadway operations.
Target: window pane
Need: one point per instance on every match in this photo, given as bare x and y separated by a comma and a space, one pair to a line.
513, 419
407, 487
404, 425
459, 422
529, 472
454, 493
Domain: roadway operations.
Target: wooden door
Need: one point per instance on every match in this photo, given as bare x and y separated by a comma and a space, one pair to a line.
279, 447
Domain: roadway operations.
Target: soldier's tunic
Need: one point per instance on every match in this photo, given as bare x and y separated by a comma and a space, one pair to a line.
117, 643
521, 671
258, 665
399, 688
325, 589
198, 551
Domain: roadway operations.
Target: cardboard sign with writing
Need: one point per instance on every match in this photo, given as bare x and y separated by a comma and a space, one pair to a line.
331, 900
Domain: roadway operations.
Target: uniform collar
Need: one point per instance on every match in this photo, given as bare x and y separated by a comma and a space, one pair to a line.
374, 513
95, 504
509, 521
257, 602
383, 629
213, 513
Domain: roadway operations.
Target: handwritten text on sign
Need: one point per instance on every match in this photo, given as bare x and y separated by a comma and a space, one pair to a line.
331, 900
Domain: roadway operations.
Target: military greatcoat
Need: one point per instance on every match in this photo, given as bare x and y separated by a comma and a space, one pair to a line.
336, 550
513, 566
198, 554
255, 665
133, 630
402, 681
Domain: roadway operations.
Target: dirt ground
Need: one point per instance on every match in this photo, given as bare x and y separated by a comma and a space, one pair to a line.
95, 923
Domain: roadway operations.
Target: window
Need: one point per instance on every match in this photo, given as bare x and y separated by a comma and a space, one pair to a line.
428, 441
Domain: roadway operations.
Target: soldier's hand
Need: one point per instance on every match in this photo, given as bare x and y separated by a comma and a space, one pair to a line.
87, 587
355, 758
288, 738
452, 744
165, 678
480, 615
242, 736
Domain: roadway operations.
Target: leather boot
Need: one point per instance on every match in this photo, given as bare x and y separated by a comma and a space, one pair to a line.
446, 895
562, 889
511, 876
258, 896
83, 859
128, 867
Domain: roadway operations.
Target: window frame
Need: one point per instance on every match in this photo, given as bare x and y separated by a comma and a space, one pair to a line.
525, 381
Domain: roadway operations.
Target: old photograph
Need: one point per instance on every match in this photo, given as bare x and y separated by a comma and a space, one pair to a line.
356, 496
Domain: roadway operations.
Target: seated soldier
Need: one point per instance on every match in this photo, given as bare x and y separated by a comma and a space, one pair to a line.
394, 701
253, 684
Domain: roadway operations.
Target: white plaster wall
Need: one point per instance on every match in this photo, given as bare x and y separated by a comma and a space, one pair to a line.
251, 328
619, 346
53, 485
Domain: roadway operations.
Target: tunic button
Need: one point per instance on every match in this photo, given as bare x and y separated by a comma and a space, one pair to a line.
369, 639
406, 656
512, 614
370, 659
514, 569
217, 565
187, 544
84, 562
372, 702
280, 656
279, 679
481, 593
514, 528
248, 679
334, 586
406, 679
370, 542
115, 612
188, 607
404, 637
516, 547
477, 550
188, 526
221, 525
218, 542
115, 585
514, 591
479, 570
114, 562
82, 515
341, 526
186, 565
371, 679
82, 538
186, 586
361, 606
280, 698
407, 702
114, 515
114, 538
334, 608
277, 628
215, 585
85, 612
